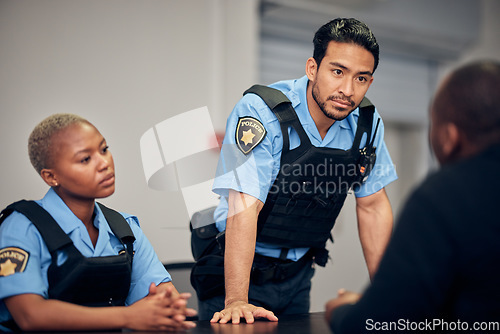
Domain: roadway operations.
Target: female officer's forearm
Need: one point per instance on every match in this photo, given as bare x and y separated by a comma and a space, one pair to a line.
32, 312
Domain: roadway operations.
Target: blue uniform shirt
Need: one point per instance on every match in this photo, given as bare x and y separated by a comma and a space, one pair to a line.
255, 173
18, 231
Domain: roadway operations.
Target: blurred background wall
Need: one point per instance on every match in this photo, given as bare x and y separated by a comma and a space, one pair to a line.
127, 65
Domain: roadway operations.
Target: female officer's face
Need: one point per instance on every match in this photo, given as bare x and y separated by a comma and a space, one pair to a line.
83, 167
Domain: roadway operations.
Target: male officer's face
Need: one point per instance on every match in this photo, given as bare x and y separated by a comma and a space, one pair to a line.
342, 79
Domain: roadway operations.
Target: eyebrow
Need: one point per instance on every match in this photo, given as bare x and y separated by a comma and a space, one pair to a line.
88, 149
333, 63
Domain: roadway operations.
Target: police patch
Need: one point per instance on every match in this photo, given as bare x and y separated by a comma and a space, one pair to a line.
249, 133
12, 260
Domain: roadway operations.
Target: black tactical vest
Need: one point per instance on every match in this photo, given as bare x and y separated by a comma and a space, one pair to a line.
313, 182
93, 281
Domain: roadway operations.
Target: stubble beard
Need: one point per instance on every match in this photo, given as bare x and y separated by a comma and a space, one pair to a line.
337, 114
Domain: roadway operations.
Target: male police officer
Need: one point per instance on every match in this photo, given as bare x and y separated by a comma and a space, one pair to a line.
299, 164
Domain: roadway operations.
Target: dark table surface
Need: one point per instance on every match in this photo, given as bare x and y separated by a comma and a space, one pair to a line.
297, 324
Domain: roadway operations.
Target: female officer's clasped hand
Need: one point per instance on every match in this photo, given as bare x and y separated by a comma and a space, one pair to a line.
239, 309
161, 311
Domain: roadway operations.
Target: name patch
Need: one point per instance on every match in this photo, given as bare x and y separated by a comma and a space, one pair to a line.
249, 133
12, 260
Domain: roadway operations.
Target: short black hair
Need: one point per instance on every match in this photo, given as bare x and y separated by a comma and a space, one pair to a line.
468, 98
345, 30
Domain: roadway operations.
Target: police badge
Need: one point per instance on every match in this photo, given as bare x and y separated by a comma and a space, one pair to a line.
249, 133
12, 260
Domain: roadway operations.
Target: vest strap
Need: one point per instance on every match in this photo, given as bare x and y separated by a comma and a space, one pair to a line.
365, 123
118, 224
53, 235
51, 232
272, 97
282, 108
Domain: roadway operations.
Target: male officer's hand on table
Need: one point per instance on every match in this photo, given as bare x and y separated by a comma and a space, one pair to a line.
240, 309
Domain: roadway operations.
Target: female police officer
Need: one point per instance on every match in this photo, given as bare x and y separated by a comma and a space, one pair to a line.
57, 272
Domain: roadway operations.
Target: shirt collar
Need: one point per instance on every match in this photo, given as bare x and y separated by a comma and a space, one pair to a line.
104, 229
60, 211
67, 219
100, 221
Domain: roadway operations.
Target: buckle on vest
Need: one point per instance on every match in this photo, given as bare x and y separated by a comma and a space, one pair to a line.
289, 208
320, 201
313, 205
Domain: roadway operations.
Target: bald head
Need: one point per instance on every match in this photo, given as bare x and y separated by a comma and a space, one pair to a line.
468, 100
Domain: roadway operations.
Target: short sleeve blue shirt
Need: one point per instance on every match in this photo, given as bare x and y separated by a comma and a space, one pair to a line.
18, 231
254, 174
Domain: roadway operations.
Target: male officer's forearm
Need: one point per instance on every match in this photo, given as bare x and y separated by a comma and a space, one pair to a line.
375, 222
241, 232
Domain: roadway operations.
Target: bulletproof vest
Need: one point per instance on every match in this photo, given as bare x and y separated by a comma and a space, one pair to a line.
93, 281
313, 182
